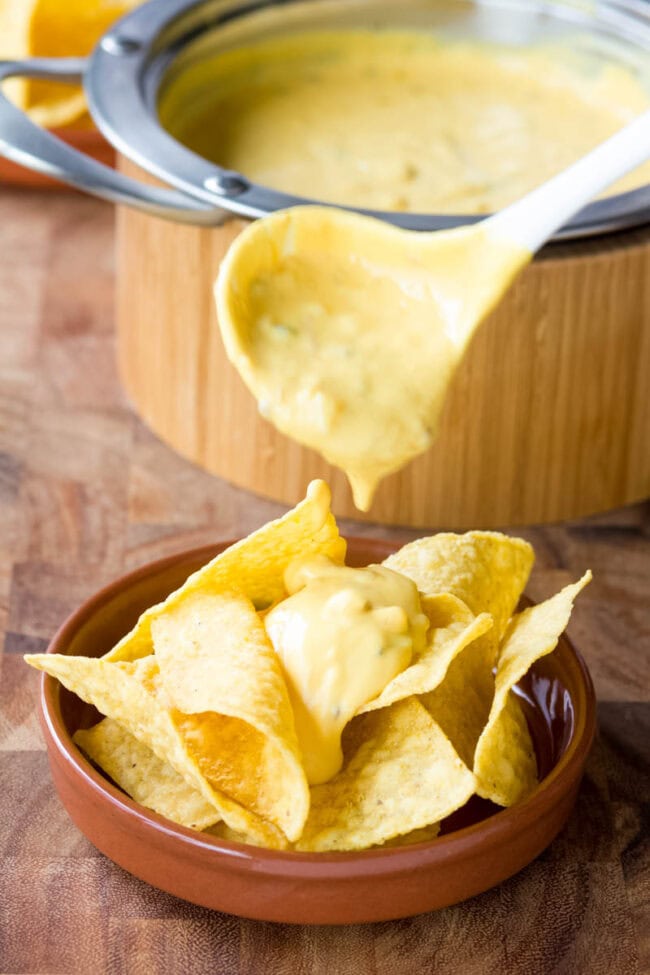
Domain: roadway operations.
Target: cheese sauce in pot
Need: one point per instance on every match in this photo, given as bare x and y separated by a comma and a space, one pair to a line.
399, 120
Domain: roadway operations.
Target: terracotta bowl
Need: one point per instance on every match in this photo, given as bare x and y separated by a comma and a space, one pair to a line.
478, 848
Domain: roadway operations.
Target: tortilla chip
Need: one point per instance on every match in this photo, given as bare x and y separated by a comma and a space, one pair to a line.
127, 692
487, 570
145, 777
504, 762
452, 628
401, 774
215, 657
254, 566
424, 835
506, 765
461, 702
223, 832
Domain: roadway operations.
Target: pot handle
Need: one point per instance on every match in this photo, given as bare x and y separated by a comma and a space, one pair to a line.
27, 144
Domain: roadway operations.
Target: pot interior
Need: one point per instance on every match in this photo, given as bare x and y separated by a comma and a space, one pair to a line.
342, 101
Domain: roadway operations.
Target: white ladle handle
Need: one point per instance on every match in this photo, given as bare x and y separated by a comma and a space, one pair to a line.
535, 217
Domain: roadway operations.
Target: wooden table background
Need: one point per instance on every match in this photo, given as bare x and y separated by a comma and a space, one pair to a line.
86, 492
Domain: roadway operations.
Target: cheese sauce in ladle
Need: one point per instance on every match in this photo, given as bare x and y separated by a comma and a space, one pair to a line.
348, 331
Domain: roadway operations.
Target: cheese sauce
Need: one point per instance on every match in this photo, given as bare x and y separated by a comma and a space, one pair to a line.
348, 332
399, 120
342, 634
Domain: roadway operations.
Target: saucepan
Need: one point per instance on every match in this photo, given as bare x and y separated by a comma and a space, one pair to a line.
546, 419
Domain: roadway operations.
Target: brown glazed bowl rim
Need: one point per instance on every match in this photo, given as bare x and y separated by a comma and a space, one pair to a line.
459, 845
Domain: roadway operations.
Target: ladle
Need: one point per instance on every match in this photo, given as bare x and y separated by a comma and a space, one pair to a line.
348, 331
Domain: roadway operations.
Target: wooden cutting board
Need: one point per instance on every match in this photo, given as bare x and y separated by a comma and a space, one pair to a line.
86, 492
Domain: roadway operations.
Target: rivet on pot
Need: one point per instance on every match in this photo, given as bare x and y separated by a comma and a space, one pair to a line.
226, 184
114, 44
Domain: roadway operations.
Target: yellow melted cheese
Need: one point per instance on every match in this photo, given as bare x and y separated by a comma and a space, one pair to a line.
398, 120
348, 332
342, 634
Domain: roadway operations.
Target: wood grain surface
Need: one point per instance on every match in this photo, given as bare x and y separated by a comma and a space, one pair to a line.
86, 492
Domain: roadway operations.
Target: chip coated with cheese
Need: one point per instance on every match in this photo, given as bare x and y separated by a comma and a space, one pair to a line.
452, 629
342, 635
254, 566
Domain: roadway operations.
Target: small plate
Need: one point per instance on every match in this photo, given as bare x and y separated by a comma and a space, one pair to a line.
479, 846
